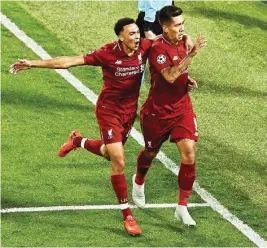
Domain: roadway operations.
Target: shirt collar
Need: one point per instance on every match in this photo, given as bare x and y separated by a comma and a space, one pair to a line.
118, 47
165, 39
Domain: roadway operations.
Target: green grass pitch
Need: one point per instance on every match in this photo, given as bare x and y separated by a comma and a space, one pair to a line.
39, 108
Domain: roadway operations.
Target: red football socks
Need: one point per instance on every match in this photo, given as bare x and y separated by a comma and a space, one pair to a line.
186, 179
120, 188
92, 146
183, 196
143, 165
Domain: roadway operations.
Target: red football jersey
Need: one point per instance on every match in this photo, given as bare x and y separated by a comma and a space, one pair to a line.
167, 100
122, 75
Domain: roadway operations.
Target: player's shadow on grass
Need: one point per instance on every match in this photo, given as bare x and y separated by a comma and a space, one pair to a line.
23, 202
163, 221
7, 202
36, 101
217, 88
116, 230
233, 158
242, 19
235, 170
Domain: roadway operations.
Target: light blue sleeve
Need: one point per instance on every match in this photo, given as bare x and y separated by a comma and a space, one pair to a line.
141, 5
151, 7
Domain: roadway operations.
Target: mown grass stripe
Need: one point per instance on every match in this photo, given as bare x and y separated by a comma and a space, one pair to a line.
206, 196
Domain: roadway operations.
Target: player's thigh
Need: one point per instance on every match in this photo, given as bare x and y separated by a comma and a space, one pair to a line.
116, 151
110, 126
127, 124
152, 129
184, 127
117, 157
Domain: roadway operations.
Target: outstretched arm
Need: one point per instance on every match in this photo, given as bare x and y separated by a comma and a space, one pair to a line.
173, 72
63, 62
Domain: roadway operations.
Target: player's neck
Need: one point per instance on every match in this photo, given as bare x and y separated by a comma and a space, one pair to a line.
128, 50
172, 41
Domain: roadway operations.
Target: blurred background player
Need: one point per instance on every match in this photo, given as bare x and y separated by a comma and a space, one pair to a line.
123, 64
168, 111
147, 19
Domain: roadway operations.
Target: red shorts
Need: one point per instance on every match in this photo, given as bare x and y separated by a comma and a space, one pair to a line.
114, 127
156, 131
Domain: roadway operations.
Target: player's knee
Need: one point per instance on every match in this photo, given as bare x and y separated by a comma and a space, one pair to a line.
188, 157
150, 154
104, 152
118, 163
118, 159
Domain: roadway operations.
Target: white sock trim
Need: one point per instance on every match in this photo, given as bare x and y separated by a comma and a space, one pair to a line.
124, 206
83, 142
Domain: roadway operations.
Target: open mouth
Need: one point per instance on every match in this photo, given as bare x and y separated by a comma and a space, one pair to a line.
136, 44
180, 36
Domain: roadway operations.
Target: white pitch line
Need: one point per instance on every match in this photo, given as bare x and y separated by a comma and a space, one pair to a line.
94, 207
92, 97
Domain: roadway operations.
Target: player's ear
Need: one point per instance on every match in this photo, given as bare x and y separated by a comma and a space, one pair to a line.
165, 29
121, 37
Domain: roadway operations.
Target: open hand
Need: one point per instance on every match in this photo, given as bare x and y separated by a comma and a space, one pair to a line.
21, 64
200, 42
191, 84
188, 42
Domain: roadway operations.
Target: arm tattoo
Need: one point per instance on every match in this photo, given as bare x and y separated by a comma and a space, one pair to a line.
173, 72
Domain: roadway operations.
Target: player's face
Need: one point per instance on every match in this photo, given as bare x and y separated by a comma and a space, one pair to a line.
130, 37
175, 28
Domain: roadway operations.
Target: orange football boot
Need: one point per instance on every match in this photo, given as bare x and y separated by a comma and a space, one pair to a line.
69, 146
131, 226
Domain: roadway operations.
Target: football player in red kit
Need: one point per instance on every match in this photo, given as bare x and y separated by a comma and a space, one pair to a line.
123, 63
168, 112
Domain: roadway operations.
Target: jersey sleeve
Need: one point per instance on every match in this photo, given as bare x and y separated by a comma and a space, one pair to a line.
159, 58
150, 10
95, 57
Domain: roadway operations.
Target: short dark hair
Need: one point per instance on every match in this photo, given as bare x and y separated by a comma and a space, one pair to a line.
121, 23
167, 12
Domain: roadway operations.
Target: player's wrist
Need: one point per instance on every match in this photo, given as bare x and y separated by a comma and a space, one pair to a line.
30, 63
191, 54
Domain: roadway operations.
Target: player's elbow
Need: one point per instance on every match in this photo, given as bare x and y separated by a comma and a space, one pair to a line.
62, 66
169, 75
66, 66
62, 63
71, 61
171, 81
58, 65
